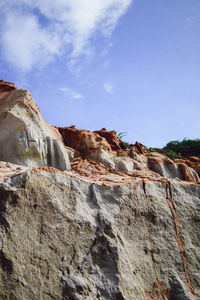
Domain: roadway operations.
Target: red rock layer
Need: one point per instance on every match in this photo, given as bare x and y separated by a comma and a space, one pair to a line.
158, 162
83, 141
87, 142
5, 88
193, 162
112, 139
140, 148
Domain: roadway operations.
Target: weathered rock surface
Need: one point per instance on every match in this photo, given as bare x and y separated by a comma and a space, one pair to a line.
193, 162
121, 224
168, 168
105, 147
25, 138
112, 138
66, 237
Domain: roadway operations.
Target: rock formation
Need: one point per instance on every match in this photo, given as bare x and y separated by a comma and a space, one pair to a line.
82, 217
193, 162
24, 136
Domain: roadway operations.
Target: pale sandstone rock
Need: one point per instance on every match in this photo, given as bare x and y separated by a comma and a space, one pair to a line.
125, 164
64, 237
24, 136
193, 162
170, 169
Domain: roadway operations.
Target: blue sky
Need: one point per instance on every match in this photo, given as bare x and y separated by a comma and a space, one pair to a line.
132, 66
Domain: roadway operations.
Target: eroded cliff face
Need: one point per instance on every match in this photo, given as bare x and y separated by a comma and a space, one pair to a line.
111, 223
25, 138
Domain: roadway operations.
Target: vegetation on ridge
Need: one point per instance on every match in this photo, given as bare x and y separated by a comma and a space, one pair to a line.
175, 149
121, 135
184, 148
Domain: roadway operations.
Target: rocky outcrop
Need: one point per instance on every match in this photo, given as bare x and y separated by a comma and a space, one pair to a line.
83, 218
112, 138
90, 145
6, 88
25, 138
105, 147
193, 162
170, 169
65, 236
83, 141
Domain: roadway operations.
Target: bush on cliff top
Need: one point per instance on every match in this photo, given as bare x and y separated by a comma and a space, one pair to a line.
174, 149
185, 148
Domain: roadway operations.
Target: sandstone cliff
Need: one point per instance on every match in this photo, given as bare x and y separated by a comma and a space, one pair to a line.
24, 136
82, 217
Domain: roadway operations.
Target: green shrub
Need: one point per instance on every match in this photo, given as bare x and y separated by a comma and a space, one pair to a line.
185, 147
173, 155
151, 149
121, 135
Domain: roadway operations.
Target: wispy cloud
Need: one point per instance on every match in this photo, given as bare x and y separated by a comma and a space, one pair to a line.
34, 32
190, 19
105, 51
106, 63
108, 87
70, 93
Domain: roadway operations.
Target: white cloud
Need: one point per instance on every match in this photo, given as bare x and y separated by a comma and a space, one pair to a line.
25, 43
105, 51
33, 32
108, 87
70, 93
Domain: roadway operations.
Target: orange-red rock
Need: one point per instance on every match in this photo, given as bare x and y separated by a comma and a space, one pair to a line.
193, 162
141, 149
170, 169
112, 139
82, 140
6, 88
